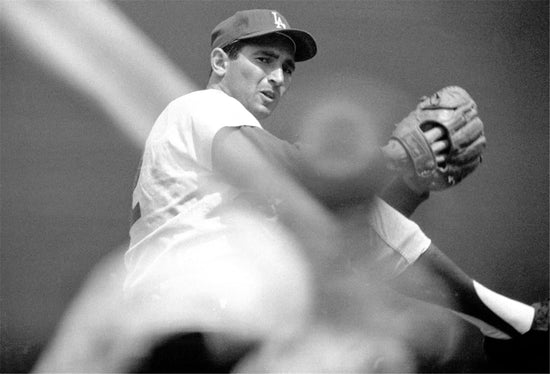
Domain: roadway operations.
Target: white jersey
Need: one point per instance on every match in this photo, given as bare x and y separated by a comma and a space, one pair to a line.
176, 171
208, 269
176, 179
202, 263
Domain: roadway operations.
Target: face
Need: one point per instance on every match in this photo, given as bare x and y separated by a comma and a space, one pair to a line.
260, 75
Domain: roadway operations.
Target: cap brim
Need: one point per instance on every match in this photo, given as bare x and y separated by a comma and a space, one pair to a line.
306, 47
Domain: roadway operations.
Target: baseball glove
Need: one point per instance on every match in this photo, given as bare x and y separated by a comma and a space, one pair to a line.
455, 112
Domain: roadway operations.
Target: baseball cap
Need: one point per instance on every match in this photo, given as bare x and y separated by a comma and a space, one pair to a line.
258, 22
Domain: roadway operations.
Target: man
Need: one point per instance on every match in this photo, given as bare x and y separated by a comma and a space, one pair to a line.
211, 181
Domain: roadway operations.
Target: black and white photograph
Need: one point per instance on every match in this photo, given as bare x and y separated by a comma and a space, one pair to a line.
297, 186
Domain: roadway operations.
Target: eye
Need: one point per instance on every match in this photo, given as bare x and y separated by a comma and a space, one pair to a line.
288, 69
264, 60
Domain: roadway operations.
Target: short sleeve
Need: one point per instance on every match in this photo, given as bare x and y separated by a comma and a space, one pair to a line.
213, 111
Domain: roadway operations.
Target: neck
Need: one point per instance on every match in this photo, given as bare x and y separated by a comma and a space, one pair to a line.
217, 86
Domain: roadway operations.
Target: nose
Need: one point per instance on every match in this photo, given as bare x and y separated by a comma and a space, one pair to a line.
277, 76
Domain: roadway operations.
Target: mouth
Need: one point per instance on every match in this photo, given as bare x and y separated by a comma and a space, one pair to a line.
269, 95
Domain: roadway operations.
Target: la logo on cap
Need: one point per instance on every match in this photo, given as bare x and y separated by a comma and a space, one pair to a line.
252, 23
278, 21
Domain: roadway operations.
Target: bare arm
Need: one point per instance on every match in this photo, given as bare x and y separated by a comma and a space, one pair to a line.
241, 155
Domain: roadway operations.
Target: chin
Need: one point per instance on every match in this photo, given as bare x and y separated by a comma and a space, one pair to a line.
261, 113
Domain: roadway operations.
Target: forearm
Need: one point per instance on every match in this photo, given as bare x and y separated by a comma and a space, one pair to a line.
398, 193
333, 189
401, 197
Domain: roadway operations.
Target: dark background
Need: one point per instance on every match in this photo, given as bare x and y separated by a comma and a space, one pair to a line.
66, 171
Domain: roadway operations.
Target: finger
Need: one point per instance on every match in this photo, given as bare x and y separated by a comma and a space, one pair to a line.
471, 152
434, 133
440, 159
469, 133
440, 146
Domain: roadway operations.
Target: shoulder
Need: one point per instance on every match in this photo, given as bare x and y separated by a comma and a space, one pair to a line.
194, 100
199, 115
194, 106
214, 106
206, 99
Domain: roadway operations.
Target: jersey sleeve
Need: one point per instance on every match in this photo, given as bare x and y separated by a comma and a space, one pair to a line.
212, 114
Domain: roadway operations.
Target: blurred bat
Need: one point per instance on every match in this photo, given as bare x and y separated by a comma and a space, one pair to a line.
93, 47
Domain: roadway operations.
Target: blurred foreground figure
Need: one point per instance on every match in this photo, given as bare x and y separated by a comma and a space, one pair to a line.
249, 253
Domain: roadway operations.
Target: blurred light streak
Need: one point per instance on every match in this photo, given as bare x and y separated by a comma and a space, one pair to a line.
97, 50
256, 289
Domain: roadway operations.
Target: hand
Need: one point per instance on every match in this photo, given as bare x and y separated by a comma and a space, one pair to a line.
438, 143
443, 139
396, 153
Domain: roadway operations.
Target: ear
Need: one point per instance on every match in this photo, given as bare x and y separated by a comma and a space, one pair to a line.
218, 61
